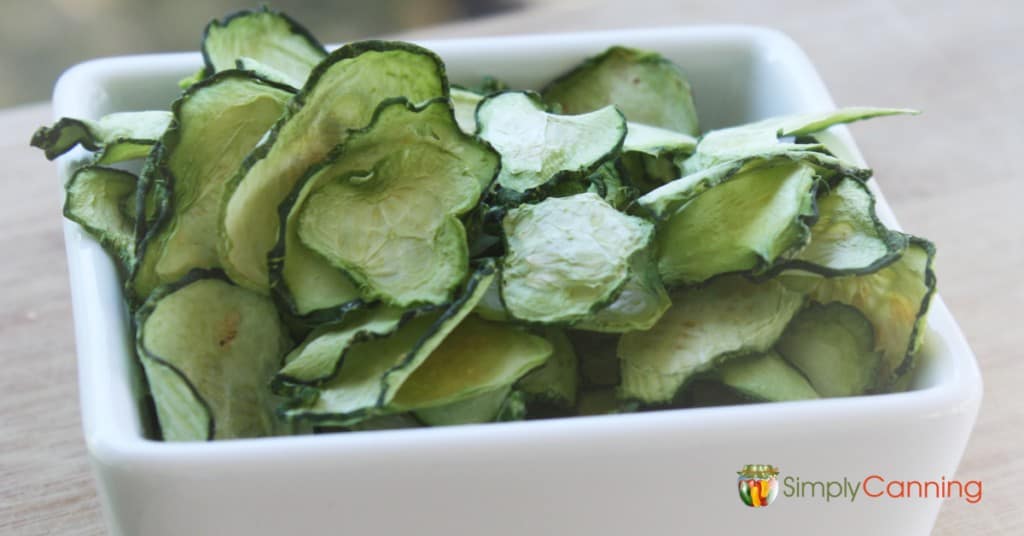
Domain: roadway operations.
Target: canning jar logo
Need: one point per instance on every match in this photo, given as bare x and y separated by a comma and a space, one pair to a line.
758, 485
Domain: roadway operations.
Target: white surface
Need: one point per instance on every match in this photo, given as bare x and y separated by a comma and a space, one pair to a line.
670, 472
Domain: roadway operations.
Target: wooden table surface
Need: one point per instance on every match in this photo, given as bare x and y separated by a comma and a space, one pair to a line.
951, 175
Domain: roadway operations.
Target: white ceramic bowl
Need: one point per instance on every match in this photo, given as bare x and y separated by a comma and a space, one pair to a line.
669, 472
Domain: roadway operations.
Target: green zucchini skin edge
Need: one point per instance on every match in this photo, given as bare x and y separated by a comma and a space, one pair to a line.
156, 172
293, 25
304, 394
47, 138
147, 308
920, 323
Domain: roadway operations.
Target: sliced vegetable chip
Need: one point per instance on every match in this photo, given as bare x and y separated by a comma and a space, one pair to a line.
209, 349
705, 326
464, 103
640, 303
268, 37
340, 96
389, 218
743, 224
118, 136
102, 201
538, 148
833, 345
766, 377
567, 256
645, 86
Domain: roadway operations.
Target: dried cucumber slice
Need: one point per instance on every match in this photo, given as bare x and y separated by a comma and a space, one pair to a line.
743, 224
848, 237
556, 382
372, 372
895, 299
705, 326
645, 86
268, 37
833, 345
209, 349
464, 102
216, 124
657, 142
118, 136
766, 377
762, 138
538, 148
568, 256
341, 95
389, 218
102, 201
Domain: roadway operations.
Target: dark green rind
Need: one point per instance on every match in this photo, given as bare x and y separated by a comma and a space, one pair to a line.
68, 132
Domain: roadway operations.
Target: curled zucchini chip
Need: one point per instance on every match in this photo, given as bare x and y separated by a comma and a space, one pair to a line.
389, 218
102, 201
762, 138
567, 257
766, 377
372, 372
464, 103
538, 148
117, 137
848, 237
340, 96
833, 345
645, 86
895, 299
556, 382
268, 37
745, 223
705, 326
209, 349
216, 124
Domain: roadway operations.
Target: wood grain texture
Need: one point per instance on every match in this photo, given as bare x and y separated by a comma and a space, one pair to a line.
949, 175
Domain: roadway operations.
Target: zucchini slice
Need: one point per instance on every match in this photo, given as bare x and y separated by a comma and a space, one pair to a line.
657, 142
389, 218
117, 137
568, 256
766, 377
216, 123
645, 86
637, 307
268, 37
538, 148
833, 345
848, 237
209, 348
478, 357
555, 383
744, 224
895, 300
372, 372
464, 102
341, 95
102, 201
762, 138
705, 326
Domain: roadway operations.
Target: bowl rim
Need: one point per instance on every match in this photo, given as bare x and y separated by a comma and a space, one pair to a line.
110, 441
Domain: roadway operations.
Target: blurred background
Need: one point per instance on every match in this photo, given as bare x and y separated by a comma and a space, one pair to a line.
41, 38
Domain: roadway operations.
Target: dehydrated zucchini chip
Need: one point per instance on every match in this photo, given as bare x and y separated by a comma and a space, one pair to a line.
765, 377
217, 122
638, 305
744, 223
762, 138
833, 345
464, 103
895, 300
389, 218
645, 86
567, 256
118, 136
848, 237
340, 96
209, 349
728, 317
372, 372
538, 148
268, 37
102, 201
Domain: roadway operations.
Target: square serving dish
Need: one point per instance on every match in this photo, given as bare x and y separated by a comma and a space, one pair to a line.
657, 473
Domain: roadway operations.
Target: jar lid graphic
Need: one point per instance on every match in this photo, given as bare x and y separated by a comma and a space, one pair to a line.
758, 471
